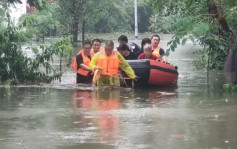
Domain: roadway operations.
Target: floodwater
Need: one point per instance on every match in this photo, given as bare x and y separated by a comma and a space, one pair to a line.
193, 114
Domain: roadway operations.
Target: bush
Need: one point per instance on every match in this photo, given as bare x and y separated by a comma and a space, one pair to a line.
16, 67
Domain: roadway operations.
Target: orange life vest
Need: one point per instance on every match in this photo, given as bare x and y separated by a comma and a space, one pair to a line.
109, 64
156, 52
86, 61
74, 62
93, 53
80, 52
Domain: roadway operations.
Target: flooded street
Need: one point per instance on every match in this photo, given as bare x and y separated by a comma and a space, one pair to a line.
191, 115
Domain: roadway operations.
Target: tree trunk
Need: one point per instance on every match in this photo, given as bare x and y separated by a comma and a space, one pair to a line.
75, 22
60, 68
75, 32
83, 31
230, 68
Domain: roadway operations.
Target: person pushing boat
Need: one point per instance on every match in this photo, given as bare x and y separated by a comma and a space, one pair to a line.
107, 63
81, 64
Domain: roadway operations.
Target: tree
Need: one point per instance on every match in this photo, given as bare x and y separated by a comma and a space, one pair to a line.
42, 23
72, 13
119, 17
15, 65
195, 21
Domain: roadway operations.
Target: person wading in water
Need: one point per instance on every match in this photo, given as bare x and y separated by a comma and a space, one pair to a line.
81, 64
107, 63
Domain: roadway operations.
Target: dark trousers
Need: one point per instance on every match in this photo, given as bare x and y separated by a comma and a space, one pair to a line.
84, 79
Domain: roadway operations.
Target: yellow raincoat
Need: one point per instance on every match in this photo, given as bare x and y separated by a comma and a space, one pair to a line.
112, 80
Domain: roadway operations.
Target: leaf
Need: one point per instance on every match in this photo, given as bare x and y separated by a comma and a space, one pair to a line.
200, 29
178, 41
175, 45
184, 41
234, 8
192, 39
169, 42
2, 13
172, 48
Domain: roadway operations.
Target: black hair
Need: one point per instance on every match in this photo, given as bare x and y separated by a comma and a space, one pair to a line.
155, 36
123, 38
145, 41
95, 40
109, 43
123, 47
86, 42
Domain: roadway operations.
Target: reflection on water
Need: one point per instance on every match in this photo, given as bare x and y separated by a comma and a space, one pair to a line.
191, 115
103, 102
117, 118
113, 109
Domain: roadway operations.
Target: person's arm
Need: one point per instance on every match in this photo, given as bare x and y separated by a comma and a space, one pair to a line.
93, 61
126, 67
83, 66
80, 63
79, 60
162, 52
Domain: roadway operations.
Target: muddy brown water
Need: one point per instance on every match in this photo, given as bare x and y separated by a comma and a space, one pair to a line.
190, 115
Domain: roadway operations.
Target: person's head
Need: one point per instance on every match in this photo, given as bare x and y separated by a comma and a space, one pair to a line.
123, 49
87, 47
145, 41
123, 39
96, 45
109, 46
155, 40
147, 50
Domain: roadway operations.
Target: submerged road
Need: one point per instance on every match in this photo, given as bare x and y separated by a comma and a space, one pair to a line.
191, 115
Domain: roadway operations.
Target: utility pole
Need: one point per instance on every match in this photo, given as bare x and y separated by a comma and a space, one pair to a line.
135, 16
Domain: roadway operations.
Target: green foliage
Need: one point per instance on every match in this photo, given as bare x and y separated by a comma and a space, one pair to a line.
39, 4
63, 48
193, 22
16, 67
41, 23
145, 12
201, 59
72, 13
214, 51
116, 18
166, 15
186, 28
162, 23
119, 17
229, 88
101, 16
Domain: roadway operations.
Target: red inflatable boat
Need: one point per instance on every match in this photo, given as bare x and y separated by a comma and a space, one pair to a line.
156, 73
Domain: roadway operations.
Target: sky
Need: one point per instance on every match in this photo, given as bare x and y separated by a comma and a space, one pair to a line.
17, 11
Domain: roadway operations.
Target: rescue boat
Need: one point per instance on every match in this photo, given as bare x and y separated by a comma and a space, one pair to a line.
155, 73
